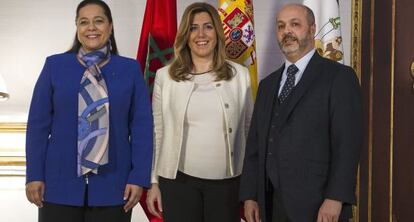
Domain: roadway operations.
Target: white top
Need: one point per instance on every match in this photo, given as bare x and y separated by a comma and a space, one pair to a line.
300, 64
203, 152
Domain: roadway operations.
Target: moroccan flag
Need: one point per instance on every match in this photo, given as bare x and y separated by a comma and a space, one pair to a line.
238, 25
328, 40
157, 37
156, 49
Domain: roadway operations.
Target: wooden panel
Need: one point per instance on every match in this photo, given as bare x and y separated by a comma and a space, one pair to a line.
403, 192
382, 108
387, 172
366, 83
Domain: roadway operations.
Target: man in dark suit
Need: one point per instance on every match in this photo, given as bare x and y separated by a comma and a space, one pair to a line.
306, 133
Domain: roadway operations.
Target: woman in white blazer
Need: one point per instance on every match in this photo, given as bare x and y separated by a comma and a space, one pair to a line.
202, 105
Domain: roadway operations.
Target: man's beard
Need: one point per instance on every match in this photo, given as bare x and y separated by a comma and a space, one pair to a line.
295, 44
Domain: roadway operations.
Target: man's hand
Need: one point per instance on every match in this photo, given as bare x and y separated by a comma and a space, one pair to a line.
251, 211
329, 211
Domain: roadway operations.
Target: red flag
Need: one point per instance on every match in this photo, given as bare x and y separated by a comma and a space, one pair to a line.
156, 49
157, 37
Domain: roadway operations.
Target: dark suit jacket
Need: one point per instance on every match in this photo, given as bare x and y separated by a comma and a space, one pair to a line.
319, 136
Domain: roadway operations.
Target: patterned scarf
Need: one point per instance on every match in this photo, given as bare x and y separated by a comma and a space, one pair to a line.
93, 113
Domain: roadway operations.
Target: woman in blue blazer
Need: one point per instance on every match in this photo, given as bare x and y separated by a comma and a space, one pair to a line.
89, 134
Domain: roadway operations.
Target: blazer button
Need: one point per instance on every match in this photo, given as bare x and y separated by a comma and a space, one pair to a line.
269, 153
276, 114
270, 140
226, 105
230, 130
218, 84
273, 125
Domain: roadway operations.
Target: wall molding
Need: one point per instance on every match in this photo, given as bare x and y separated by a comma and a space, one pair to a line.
356, 39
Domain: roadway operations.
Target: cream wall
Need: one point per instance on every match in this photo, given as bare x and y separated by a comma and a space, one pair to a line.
32, 30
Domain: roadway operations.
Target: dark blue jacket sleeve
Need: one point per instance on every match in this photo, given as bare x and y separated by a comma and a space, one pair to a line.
141, 132
38, 126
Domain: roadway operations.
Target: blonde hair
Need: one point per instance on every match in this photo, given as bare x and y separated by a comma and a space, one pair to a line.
182, 63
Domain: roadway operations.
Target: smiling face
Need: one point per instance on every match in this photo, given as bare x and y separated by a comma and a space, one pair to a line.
203, 37
295, 35
93, 27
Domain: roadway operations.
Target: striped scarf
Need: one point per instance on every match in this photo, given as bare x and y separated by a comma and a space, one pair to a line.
93, 113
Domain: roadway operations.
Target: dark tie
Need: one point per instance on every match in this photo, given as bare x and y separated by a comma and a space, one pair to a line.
289, 84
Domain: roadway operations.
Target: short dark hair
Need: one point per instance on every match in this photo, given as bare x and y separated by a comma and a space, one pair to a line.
309, 15
107, 11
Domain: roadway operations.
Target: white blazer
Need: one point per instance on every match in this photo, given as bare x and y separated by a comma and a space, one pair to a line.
169, 103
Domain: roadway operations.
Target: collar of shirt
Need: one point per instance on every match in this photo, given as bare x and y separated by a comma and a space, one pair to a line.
301, 64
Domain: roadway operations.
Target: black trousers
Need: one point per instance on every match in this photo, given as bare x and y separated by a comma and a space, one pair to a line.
51, 212
63, 213
275, 209
278, 210
192, 199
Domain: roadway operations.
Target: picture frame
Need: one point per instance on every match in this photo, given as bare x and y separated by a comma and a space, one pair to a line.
12, 159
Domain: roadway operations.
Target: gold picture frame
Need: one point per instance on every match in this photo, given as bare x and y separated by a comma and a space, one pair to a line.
356, 41
13, 127
12, 165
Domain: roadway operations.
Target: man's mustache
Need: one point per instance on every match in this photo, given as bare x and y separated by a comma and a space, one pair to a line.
288, 37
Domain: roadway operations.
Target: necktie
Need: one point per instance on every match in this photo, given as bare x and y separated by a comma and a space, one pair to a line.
289, 84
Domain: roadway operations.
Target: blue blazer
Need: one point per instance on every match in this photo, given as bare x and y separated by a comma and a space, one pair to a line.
51, 139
